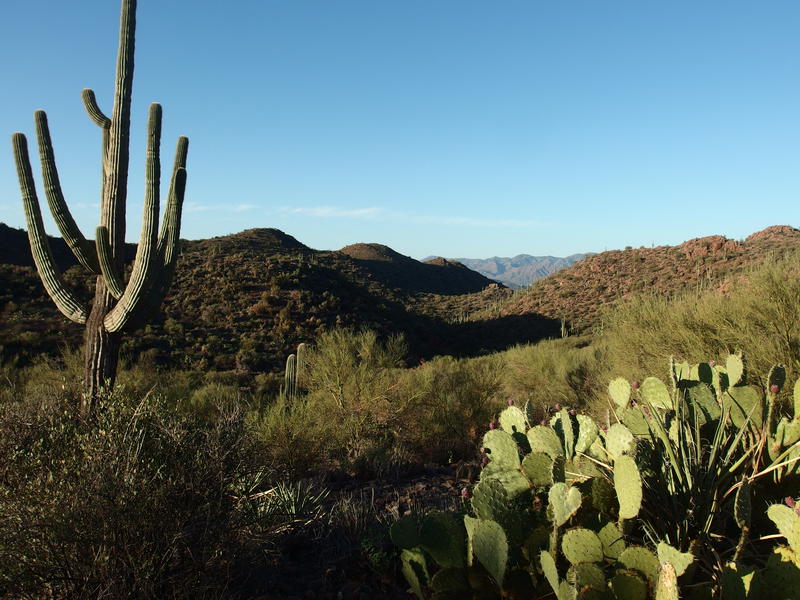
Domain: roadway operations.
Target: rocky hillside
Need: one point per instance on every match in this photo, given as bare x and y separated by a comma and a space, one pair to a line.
241, 303
580, 292
520, 271
435, 276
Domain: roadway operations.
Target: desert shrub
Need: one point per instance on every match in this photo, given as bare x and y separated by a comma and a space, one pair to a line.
345, 419
141, 502
205, 402
447, 404
553, 371
760, 313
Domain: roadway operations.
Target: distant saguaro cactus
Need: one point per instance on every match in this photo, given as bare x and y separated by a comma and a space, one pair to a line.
117, 306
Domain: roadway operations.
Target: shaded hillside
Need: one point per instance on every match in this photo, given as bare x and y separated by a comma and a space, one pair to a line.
580, 292
522, 270
435, 276
243, 302
15, 250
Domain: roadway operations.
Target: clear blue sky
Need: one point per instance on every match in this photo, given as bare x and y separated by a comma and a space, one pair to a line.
456, 128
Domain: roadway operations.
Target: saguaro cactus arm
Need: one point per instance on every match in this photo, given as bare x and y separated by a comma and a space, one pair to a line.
49, 272
145, 264
111, 276
82, 249
95, 114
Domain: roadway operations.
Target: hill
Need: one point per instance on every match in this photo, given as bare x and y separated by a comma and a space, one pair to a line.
519, 271
435, 276
241, 303
580, 292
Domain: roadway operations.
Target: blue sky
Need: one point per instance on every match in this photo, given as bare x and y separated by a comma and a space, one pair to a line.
457, 128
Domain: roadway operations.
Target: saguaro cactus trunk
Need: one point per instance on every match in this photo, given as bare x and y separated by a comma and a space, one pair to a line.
117, 306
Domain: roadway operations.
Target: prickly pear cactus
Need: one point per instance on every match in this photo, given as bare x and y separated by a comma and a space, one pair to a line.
570, 509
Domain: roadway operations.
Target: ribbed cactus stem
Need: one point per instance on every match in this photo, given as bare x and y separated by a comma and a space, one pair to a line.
46, 265
111, 275
301, 364
82, 249
93, 110
144, 264
171, 215
117, 155
290, 376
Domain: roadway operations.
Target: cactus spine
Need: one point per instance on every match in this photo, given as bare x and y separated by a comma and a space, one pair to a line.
117, 306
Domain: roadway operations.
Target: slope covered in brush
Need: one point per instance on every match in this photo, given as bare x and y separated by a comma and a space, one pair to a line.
580, 292
242, 302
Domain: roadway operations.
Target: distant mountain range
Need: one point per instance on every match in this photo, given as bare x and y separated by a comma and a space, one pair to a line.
518, 271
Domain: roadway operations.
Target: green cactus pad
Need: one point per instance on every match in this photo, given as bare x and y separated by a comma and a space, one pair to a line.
629, 585
544, 439
681, 371
586, 467
415, 571
443, 536
702, 400
604, 497
791, 432
705, 374
549, 570
776, 376
489, 498
530, 413
741, 506
628, 485
734, 367
782, 574
581, 545
655, 393
586, 575
490, 548
642, 560
502, 451
404, 533
746, 406
680, 561
451, 580
564, 502
538, 468
567, 591
612, 540
635, 420
788, 523
514, 482
737, 581
667, 586
619, 440
512, 420
620, 391
587, 434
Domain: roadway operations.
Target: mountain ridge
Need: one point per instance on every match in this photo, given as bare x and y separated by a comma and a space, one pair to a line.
520, 271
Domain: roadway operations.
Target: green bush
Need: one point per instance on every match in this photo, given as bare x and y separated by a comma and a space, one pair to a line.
141, 502
760, 312
446, 404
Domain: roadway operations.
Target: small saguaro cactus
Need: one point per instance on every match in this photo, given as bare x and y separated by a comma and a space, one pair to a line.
117, 306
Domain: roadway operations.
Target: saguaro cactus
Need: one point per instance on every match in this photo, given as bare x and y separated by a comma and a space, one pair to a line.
117, 306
